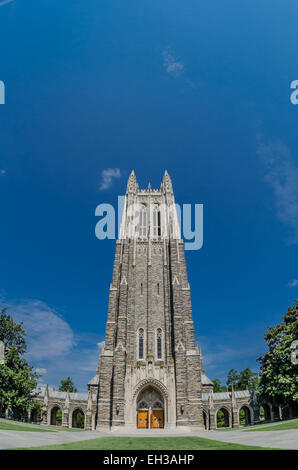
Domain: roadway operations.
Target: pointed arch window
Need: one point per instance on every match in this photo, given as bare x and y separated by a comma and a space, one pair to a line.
159, 343
143, 221
156, 221
158, 289
141, 343
142, 289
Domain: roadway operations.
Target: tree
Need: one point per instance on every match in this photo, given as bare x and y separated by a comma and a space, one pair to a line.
233, 378
279, 375
67, 385
247, 379
17, 378
218, 387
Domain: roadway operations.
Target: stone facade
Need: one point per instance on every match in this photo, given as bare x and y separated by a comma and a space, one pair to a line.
150, 371
149, 296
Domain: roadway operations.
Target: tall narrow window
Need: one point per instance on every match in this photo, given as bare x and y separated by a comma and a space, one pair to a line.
143, 222
141, 343
159, 343
142, 289
156, 221
158, 224
158, 289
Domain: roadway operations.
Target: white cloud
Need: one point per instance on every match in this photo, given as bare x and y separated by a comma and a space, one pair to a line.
5, 1
107, 177
52, 347
282, 176
48, 335
172, 64
293, 283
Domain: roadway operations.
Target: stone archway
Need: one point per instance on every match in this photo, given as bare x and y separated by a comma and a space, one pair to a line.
78, 418
150, 408
56, 416
245, 416
223, 419
267, 412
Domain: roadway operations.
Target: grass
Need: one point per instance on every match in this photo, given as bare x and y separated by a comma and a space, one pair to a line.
21, 427
289, 424
11, 425
62, 428
149, 443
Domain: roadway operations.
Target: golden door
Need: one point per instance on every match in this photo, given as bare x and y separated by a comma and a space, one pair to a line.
142, 419
157, 419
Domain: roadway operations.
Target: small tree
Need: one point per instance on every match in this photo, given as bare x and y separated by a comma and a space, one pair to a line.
67, 385
248, 379
233, 378
218, 387
17, 378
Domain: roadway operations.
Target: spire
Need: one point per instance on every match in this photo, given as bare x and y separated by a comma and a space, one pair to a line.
210, 401
132, 185
166, 184
201, 359
46, 395
67, 400
233, 397
89, 403
149, 187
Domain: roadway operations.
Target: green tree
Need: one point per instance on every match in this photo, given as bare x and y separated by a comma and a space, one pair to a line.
233, 378
218, 387
247, 378
17, 378
67, 385
279, 376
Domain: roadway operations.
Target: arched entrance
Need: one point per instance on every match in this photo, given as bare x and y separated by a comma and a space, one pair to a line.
78, 419
244, 416
56, 416
205, 417
267, 412
222, 418
150, 409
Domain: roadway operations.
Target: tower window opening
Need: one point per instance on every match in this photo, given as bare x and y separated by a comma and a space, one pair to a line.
158, 289
142, 289
156, 222
159, 343
141, 343
143, 222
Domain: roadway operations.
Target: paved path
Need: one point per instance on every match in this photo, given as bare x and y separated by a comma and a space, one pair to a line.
14, 439
287, 439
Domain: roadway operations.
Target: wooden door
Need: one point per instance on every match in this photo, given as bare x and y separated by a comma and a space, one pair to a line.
142, 419
157, 419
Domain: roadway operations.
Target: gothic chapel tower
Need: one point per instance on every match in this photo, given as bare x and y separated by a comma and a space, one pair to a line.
149, 372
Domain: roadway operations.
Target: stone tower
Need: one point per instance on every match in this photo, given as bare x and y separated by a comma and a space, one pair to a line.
149, 371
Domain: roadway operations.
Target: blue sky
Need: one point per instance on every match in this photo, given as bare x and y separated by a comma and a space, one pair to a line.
200, 88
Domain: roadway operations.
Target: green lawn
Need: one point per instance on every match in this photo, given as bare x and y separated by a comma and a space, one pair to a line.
289, 424
11, 425
148, 443
22, 427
